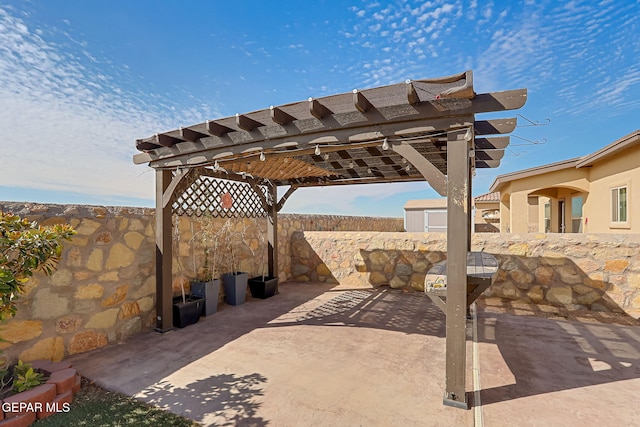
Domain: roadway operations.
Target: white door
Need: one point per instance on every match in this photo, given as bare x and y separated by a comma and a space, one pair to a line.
435, 221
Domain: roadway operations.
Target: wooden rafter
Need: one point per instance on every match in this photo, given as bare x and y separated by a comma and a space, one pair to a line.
246, 123
412, 95
318, 110
280, 117
216, 129
190, 135
271, 136
361, 102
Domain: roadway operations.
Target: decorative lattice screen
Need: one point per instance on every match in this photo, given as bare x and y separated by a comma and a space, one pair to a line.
220, 198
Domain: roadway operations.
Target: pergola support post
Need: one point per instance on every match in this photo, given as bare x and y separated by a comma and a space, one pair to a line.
470, 165
164, 257
272, 232
457, 242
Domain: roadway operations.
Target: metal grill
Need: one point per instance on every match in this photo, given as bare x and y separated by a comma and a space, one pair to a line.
206, 195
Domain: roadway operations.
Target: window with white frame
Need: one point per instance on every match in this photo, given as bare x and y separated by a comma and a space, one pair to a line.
576, 214
619, 204
547, 217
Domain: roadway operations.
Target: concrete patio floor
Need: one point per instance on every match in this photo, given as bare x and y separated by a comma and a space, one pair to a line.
320, 355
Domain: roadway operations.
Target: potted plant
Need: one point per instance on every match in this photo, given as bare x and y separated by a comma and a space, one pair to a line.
206, 286
263, 286
187, 308
235, 282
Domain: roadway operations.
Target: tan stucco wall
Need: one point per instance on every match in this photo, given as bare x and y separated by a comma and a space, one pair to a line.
623, 169
562, 184
593, 183
505, 209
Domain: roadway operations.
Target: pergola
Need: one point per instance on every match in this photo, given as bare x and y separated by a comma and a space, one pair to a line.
413, 131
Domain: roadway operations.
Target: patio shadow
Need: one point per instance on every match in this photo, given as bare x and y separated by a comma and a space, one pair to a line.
149, 358
549, 355
378, 308
220, 400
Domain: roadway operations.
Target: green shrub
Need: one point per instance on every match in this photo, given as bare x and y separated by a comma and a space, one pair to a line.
24, 247
25, 378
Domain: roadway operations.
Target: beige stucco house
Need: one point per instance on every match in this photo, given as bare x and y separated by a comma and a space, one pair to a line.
596, 193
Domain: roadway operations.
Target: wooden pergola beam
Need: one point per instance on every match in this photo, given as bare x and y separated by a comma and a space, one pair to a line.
190, 135
495, 126
492, 142
361, 102
280, 117
431, 174
244, 122
166, 140
421, 112
217, 129
318, 110
256, 189
488, 154
348, 135
412, 95
284, 197
167, 195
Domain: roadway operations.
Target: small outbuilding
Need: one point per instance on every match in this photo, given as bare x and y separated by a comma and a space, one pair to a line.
430, 215
426, 216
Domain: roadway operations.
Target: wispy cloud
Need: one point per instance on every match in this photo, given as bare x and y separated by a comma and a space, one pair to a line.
66, 121
584, 52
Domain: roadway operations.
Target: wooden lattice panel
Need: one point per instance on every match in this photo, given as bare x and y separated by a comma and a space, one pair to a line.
220, 198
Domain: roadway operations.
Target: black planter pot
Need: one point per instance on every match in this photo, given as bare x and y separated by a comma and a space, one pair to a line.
235, 287
263, 286
188, 312
210, 291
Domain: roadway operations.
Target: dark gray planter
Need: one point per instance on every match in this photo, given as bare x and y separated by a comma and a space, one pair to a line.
210, 291
235, 287
263, 286
188, 312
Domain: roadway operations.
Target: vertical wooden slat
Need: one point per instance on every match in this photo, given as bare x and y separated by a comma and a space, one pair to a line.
457, 230
164, 292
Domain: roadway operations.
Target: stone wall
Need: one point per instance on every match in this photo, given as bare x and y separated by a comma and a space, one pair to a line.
102, 291
577, 271
288, 224
104, 288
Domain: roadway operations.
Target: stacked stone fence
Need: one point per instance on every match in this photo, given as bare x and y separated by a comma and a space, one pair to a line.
104, 287
575, 271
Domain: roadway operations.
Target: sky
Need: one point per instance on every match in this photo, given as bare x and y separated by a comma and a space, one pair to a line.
81, 80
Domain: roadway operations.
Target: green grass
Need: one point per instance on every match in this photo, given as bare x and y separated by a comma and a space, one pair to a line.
93, 406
